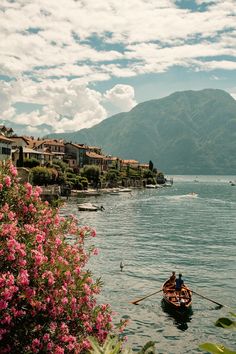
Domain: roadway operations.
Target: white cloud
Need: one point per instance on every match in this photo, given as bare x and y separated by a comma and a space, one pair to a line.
44, 44
121, 96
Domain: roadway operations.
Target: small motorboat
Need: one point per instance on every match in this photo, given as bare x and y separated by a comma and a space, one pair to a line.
177, 300
90, 207
125, 190
152, 186
115, 192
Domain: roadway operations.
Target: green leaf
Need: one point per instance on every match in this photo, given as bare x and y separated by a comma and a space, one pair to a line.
225, 323
216, 348
149, 348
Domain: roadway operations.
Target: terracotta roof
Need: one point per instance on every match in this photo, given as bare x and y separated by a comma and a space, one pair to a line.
54, 142
3, 138
130, 162
31, 151
78, 146
111, 158
26, 139
93, 155
36, 143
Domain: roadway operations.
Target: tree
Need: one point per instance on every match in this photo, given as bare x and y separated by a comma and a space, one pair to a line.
150, 165
20, 161
92, 173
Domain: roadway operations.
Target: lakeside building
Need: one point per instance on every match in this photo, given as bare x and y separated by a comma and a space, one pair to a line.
5, 148
46, 150
7, 132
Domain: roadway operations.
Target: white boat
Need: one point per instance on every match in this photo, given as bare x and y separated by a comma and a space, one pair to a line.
89, 207
91, 193
151, 186
114, 193
127, 190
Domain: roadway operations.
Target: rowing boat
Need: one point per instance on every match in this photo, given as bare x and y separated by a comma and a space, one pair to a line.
178, 300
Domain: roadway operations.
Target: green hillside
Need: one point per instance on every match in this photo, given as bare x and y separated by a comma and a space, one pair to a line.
191, 132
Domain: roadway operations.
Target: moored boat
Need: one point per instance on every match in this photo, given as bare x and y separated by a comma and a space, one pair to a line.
89, 207
125, 190
178, 300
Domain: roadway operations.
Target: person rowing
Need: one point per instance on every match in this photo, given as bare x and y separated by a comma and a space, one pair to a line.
179, 283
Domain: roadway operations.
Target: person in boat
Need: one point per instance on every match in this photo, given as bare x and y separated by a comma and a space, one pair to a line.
172, 279
179, 283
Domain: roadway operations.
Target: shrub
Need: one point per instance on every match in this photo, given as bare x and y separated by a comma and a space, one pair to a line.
47, 297
31, 163
61, 164
40, 175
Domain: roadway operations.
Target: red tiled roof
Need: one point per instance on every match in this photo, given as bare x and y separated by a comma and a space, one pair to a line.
77, 145
130, 162
93, 155
3, 138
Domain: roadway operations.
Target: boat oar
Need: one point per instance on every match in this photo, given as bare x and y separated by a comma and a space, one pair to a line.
207, 298
145, 297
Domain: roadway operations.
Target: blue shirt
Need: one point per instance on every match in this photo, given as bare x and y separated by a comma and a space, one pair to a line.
178, 283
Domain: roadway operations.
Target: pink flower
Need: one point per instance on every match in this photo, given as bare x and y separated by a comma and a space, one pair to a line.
3, 304
7, 181
23, 278
11, 215
40, 238
64, 300
59, 350
46, 337
86, 344
1, 186
13, 170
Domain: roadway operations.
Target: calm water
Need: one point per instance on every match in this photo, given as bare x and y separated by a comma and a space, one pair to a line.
154, 232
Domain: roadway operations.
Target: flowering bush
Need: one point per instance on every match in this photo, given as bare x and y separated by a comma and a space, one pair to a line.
47, 297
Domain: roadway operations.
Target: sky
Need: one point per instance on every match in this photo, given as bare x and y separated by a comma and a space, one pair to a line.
66, 65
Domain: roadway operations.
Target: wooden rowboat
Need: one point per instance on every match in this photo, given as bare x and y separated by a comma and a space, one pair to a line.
177, 300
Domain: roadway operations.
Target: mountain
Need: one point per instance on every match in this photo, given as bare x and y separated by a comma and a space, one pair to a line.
189, 132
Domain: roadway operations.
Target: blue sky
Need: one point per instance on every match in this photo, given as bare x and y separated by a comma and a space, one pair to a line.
67, 65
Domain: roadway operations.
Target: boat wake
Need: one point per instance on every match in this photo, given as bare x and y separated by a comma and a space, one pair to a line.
182, 196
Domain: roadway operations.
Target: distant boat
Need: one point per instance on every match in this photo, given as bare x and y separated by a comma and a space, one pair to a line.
232, 183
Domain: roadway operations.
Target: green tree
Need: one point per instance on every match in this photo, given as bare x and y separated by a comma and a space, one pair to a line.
92, 173
20, 161
150, 165
41, 175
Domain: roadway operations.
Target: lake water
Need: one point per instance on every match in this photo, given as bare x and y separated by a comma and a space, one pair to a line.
154, 232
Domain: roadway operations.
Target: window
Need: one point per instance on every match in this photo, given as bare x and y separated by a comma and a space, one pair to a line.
6, 151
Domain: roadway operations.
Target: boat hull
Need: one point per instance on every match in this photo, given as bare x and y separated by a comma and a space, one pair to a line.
177, 300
